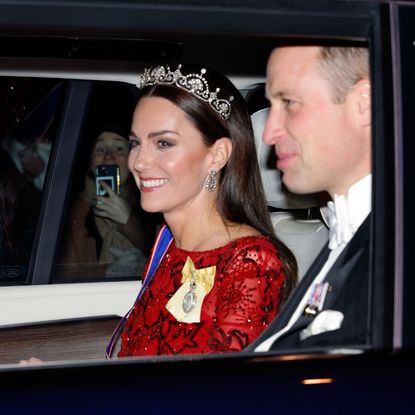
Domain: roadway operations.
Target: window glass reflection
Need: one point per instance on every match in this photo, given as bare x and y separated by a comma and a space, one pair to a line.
106, 235
28, 127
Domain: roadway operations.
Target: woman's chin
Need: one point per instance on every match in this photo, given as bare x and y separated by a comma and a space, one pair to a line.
151, 208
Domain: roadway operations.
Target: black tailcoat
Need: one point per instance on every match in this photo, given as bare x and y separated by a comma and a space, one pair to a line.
348, 279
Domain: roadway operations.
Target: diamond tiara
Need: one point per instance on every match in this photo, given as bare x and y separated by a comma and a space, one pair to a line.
194, 83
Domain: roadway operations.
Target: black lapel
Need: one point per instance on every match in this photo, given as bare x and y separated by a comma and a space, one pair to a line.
339, 272
300, 291
337, 275
288, 309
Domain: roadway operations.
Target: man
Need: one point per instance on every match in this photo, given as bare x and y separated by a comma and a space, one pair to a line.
320, 126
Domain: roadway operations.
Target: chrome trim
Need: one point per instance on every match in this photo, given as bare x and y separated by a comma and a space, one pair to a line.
398, 157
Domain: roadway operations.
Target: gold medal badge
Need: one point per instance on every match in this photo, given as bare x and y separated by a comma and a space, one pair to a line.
186, 303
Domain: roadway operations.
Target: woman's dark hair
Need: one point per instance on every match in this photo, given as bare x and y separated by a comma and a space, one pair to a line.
241, 197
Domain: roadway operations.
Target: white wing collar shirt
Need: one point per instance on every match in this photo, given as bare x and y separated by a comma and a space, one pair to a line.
343, 216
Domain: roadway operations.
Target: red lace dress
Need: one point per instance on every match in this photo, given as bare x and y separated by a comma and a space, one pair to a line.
244, 299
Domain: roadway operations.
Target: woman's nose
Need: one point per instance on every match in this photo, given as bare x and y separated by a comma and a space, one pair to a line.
109, 155
140, 159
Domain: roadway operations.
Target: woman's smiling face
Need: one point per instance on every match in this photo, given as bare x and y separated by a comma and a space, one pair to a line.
111, 148
168, 158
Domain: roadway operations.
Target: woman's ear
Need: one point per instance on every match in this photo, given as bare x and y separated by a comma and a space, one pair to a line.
221, 151
364, 101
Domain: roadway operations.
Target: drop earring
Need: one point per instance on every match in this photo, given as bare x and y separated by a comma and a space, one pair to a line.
212, 181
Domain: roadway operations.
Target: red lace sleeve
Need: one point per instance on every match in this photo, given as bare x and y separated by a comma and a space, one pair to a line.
248, 298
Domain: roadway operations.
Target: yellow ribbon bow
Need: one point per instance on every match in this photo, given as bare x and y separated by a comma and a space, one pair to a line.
197, 283
203, 276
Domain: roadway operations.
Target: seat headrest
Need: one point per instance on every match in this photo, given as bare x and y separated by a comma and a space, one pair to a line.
276, 193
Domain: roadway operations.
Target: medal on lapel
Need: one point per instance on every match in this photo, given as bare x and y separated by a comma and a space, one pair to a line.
317, 297
186, 303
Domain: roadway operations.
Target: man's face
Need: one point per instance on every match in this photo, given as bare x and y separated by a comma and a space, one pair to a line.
319, 144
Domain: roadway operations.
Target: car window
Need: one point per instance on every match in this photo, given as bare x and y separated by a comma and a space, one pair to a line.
28, 126
79, 251
106, 235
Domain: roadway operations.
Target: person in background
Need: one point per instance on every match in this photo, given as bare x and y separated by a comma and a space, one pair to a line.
105, 234
223, 274
29, 140
320, 126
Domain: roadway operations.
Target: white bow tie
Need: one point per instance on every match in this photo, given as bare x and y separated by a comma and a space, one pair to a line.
341, 230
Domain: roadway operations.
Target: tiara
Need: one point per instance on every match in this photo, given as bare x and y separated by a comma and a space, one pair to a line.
194, 83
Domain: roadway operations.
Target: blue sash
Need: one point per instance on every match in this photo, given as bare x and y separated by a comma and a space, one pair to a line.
163, 241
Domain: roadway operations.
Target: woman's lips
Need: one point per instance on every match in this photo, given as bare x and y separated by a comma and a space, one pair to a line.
149, 185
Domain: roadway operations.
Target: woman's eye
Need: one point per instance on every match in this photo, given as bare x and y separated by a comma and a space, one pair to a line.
120, 149
133, 144
99, 150
162, 144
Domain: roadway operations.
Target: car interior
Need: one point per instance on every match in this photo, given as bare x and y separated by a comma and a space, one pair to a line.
50, 82
81, 297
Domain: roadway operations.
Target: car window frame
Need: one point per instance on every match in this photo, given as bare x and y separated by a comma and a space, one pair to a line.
404, 61
58, 182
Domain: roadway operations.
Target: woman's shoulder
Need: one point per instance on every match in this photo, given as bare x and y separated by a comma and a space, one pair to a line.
254, 244
245, 244
254, 241
253, 252
247, 236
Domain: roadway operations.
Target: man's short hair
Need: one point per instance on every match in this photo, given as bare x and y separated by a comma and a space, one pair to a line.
343, 67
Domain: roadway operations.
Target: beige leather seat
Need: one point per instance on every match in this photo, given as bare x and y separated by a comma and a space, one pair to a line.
305, 237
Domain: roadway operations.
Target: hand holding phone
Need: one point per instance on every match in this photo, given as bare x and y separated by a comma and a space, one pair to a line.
112, 206
110, 174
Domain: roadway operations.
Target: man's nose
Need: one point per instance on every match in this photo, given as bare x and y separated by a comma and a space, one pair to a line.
274, 127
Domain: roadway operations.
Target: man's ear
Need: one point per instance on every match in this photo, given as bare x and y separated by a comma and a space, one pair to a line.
364, 101
221, 151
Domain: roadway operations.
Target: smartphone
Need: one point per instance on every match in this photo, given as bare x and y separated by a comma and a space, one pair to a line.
110, 174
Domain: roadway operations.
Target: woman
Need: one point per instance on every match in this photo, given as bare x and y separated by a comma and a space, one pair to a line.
225, 275
106, 235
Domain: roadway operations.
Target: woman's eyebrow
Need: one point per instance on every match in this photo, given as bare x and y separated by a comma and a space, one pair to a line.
154, 134
119, 140
162, 132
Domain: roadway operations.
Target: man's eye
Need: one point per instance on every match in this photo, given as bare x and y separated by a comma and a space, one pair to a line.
288, 102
